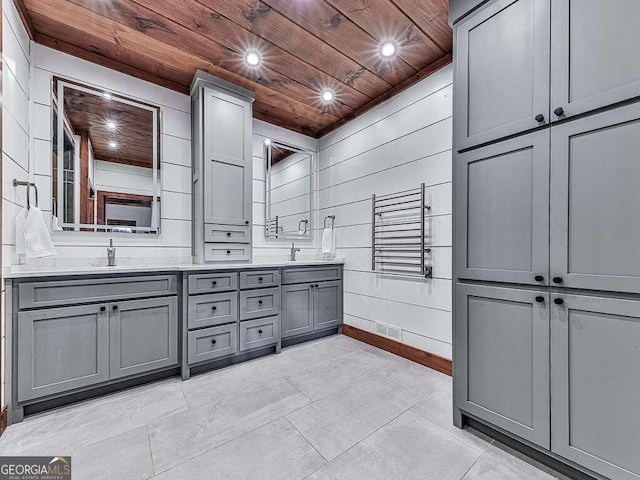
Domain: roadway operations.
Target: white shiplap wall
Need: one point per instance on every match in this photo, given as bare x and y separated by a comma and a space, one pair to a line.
275, 248
173, 245
398, 145
15, 125
15, 131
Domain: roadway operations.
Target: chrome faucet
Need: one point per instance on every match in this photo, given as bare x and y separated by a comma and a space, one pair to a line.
293, 252
111, 254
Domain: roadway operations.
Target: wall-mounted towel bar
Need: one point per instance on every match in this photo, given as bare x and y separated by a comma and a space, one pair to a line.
18, 183
398, 233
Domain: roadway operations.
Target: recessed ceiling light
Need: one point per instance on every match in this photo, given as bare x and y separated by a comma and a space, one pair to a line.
106, 95
113, 144
111, 125
252, 58
387, 49
328, 96
267, 141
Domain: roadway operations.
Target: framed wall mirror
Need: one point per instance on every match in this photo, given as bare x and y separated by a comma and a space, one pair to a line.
105, 161
289, 191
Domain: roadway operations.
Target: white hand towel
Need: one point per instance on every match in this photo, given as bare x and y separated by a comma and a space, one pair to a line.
328, 241
37, 240
20, 221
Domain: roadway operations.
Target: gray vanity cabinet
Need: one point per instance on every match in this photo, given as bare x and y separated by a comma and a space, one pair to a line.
502, 358
502, 199
112, 332
227, 158
595, 386
595, 173
327, 305
594, 59
143, 336
61, 349
311, 300
297, 309
502, 79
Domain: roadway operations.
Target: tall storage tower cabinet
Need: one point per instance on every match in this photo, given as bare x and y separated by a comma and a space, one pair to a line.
222, 170
547, 226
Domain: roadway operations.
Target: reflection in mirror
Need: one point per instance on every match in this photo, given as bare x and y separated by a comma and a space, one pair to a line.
105, 162
288, 192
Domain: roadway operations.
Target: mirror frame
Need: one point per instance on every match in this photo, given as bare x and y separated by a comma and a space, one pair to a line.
310, 225
59, 86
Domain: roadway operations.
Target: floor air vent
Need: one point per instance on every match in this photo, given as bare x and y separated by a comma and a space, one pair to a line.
389, 331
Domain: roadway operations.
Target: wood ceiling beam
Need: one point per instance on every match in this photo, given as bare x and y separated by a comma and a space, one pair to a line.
66, 14
329, 25
215, 27
383, 20
425, 72
257, 17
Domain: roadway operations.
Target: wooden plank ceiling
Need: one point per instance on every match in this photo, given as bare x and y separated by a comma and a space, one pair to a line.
132, 133
306, 46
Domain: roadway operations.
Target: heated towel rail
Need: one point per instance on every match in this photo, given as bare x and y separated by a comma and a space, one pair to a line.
399, 234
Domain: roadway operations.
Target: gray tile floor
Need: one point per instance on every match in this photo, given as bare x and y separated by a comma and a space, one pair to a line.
335, 408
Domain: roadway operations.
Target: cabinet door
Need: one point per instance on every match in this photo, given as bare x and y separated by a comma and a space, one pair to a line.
502, 71
595, 173
327, 305
61, 349
227, 159
502, 204
144, 336
595, 387
502, 358
297, 309
594, 60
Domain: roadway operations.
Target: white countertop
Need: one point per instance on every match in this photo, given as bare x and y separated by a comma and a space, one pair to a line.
26, 271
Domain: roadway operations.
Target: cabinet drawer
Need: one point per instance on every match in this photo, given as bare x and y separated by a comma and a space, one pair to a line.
312, 274
209, 310
262, 278
227, 234
66, 292
259, 333
213, 282
219, 252
259, 303
211, 343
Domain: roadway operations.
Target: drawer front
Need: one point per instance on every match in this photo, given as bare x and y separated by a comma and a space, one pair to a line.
212, 343
213, 282
259, 333
68, 292
209, 310
262, 278
221, 252
227, 234
259, 303
312, 274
